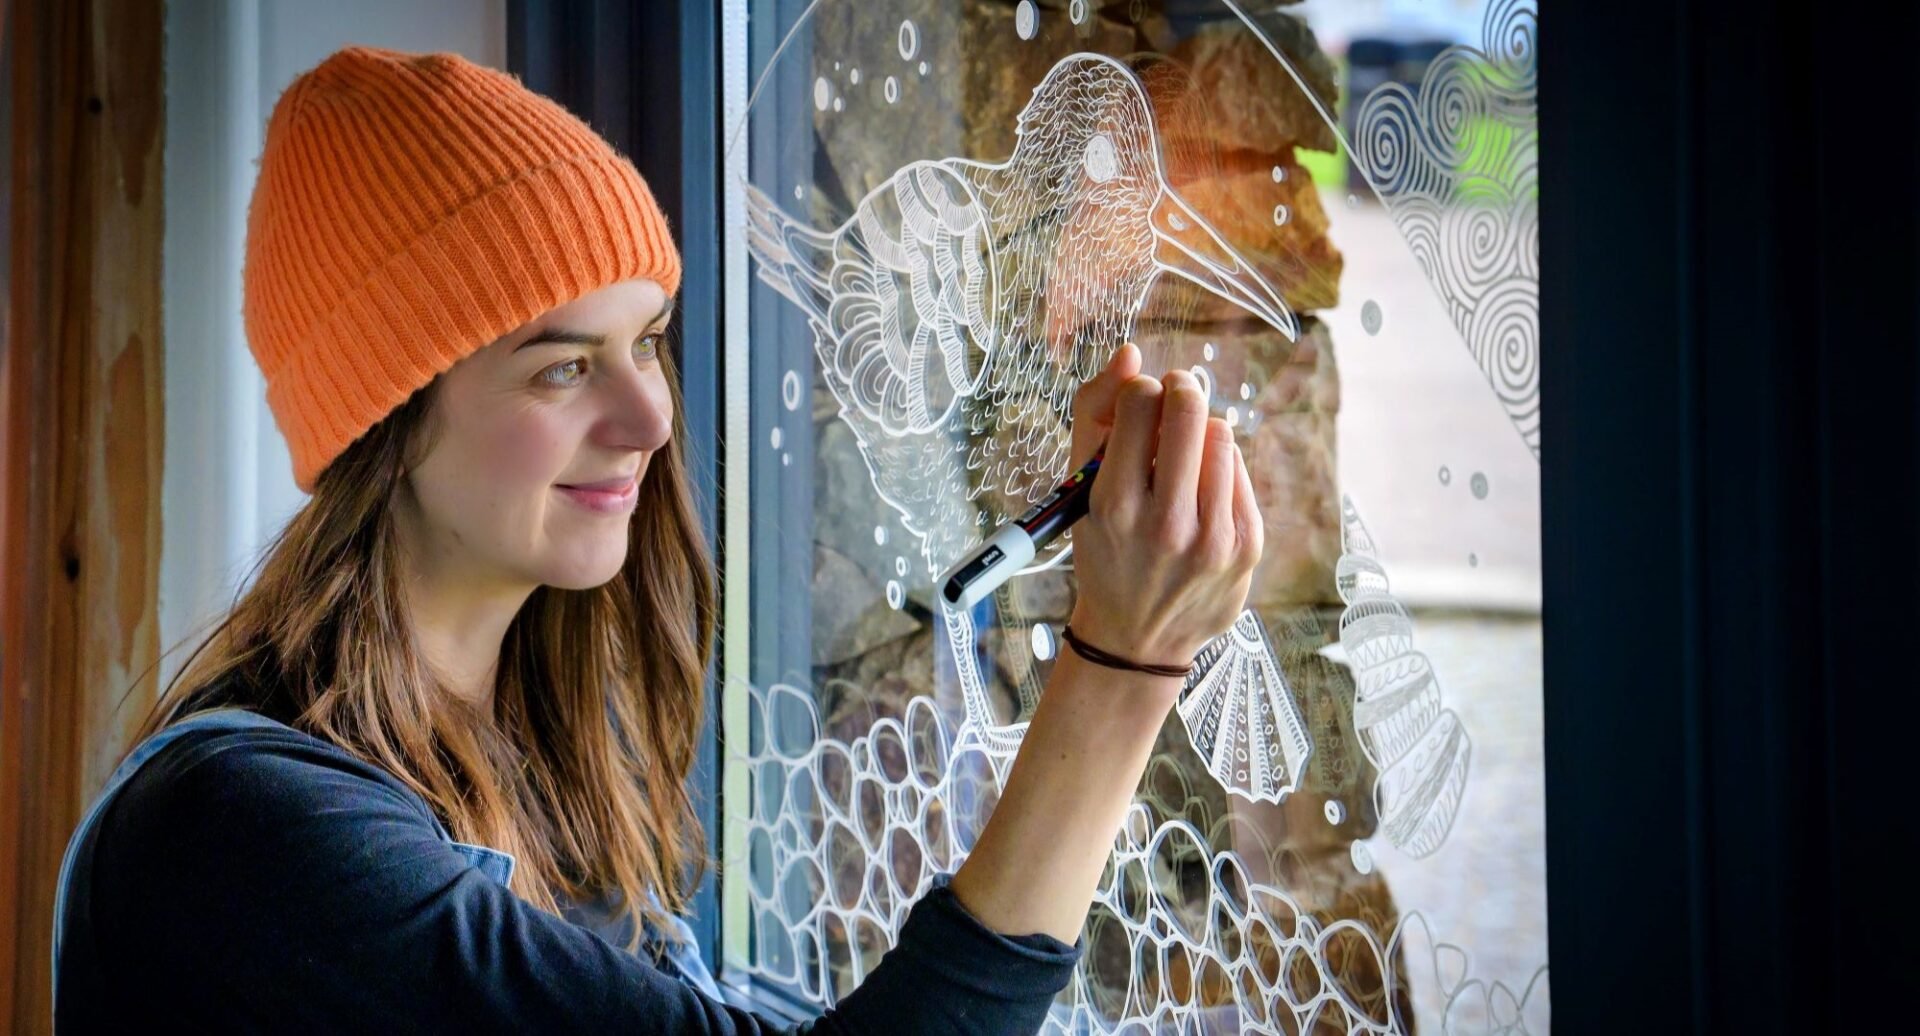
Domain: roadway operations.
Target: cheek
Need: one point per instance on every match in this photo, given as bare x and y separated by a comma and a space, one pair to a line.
487, 479
527, 450
521, 449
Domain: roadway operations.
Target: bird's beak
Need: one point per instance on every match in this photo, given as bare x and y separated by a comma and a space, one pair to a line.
1186, 245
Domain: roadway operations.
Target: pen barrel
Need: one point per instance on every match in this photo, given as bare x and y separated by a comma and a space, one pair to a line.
1061, 508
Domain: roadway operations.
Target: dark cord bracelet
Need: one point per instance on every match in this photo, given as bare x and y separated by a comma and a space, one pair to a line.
1113, 661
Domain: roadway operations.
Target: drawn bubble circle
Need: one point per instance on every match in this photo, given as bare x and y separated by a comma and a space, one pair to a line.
790, 386
1362, 857
1077, 11
924, 68
1473, 561
891, 89
1233, 417
1279, 174
1042, 638
1446, 476
879, 535
1208, 351
839, 103
1335, 811
1281, 215
1370, 317
1025, 19
1205, 378
775, 437
799, 193
909, 40
836, 66
822, 93
853, 76
896, 594
1478, 483
900, 567
1246, 390
786, 460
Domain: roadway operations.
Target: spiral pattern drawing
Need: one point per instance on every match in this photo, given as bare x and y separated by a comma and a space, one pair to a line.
1457, 164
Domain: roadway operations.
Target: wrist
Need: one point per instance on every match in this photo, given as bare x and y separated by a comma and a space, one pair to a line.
1114, 660
1119, 642
1115, 684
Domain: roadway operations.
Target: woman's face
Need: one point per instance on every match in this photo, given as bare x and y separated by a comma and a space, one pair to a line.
538, 443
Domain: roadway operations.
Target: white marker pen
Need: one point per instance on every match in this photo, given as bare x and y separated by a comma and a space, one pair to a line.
1018, 542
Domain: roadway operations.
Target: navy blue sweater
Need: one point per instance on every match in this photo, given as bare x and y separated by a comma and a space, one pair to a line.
264, 880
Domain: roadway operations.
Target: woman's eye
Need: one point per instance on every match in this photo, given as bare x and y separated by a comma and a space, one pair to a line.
648, 346
548, 375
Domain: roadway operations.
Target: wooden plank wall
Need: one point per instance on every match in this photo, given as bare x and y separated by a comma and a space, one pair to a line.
80, 405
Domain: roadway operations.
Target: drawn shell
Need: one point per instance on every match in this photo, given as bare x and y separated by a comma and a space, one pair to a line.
1241, 716
1420, 747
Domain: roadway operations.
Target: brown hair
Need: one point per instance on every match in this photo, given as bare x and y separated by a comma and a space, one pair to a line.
580, 772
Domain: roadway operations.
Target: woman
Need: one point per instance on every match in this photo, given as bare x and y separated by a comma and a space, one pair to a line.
429, 772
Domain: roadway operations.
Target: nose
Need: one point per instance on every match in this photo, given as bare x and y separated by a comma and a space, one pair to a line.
638, 410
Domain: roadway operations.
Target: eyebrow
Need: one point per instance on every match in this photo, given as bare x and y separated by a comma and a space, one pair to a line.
563, 336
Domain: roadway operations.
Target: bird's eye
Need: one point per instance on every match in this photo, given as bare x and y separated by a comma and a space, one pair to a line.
1100, 161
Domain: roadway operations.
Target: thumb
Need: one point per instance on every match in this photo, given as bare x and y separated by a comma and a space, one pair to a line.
1093, 404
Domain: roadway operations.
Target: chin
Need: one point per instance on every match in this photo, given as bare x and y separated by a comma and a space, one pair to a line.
585, 574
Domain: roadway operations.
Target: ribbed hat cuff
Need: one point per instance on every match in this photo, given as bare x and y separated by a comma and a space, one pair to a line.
527, 246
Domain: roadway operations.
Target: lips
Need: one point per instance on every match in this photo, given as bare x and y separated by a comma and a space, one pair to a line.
608, 496
609, 485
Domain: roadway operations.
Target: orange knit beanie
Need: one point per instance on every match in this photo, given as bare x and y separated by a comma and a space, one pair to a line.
410, 209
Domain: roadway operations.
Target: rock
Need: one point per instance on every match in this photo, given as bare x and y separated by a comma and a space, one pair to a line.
851, 615
1045, 596
1260, 107
857, 692
1287, 429
1260, 199
1294, 255
868, 137
1292, 461
847, 511
1001, 69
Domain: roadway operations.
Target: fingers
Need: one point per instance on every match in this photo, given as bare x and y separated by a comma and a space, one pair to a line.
1183, 430
1093, 404
1130, 448
1246, 510
1219, 477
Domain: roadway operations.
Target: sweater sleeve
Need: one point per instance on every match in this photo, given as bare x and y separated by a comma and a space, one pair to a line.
314, 887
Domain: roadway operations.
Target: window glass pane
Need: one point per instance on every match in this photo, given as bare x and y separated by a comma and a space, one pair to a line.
952, 211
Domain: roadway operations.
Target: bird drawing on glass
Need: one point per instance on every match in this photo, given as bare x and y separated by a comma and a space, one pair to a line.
960, 306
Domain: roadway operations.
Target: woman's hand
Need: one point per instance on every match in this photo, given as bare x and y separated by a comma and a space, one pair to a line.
1166, 552
1163, 559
